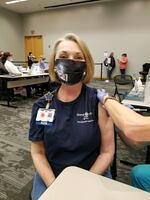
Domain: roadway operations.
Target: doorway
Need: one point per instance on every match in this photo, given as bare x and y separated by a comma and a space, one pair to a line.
34, 44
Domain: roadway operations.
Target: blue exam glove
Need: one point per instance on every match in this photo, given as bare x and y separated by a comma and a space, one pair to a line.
101, 93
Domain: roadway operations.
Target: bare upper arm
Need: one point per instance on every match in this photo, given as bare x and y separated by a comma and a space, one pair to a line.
107, 130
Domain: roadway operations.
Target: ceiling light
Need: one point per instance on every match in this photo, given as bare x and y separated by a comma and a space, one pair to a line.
15, 1
72, 3
10, 2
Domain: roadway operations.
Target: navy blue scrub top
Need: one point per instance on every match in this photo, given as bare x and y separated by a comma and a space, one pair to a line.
74, 137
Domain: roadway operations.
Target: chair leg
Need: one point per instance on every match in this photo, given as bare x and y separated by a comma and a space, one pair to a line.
115, 92
113, 167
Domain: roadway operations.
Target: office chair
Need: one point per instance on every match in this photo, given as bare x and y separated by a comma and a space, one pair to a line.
145, 71
123, 85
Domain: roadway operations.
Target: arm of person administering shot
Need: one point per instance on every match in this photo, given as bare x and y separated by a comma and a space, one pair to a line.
134, 127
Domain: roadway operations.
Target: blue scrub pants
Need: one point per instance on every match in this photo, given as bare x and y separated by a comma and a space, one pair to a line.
39, 187
140, 177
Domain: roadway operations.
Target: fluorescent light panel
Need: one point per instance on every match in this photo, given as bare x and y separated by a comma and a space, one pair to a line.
15, 1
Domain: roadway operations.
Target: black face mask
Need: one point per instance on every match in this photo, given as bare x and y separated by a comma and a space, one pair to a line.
70, 71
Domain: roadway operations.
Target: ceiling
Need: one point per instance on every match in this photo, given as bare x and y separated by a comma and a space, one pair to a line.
40, 5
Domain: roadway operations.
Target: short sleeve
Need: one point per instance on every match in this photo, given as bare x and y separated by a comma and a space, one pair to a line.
94, 102
36, 132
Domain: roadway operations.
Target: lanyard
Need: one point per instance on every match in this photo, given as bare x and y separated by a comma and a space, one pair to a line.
49, 96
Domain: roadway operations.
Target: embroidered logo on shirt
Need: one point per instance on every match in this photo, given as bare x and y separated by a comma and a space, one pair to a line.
85, 117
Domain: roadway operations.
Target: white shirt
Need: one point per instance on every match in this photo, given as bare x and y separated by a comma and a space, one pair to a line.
11, 68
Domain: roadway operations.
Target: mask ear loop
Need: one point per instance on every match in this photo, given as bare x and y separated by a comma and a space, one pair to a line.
84, 74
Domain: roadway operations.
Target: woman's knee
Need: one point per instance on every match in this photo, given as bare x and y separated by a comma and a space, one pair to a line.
140, 177
138, 172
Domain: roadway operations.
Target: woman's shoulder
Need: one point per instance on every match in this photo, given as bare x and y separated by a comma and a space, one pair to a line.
8, 63
90, 88
92, 92
90, 98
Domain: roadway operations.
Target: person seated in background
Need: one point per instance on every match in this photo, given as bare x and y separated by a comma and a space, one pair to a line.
72, 129
42, 64
2, 67
7, 59
134, 131
12, 69
2, 72
31, 59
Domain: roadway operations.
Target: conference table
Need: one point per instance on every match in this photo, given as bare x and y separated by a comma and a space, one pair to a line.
13, 81
78, 184
138, 99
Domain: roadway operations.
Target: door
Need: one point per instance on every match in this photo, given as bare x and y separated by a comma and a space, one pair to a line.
34, 44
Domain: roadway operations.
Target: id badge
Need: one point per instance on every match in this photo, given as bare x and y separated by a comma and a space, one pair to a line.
45, 116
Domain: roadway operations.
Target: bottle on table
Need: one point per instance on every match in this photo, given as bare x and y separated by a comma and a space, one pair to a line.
147, 89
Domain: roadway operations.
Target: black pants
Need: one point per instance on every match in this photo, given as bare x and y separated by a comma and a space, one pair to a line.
123, 72
109, 73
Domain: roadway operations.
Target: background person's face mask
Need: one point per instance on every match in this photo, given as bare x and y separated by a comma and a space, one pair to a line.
70, 71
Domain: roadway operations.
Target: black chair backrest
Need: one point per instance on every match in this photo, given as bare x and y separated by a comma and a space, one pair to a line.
123, 79
123, 85
146, 67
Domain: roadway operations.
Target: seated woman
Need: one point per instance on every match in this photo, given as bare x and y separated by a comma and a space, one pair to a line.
2, 67
42, 64
69, 127
7, 62
10, 68
31, 59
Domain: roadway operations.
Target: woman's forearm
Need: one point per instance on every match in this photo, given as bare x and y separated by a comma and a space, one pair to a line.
133, 125
43, 168
41, 163
102, 163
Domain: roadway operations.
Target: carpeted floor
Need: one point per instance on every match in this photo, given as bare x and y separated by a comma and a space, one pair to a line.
16, 168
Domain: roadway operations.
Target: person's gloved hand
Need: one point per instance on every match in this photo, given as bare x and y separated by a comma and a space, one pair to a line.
101, 94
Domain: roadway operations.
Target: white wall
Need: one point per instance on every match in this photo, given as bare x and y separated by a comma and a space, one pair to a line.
119, 26
11, 35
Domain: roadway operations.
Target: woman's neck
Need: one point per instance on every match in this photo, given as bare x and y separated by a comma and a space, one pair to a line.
69, 93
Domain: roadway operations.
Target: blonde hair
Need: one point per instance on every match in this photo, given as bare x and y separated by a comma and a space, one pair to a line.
87, 55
